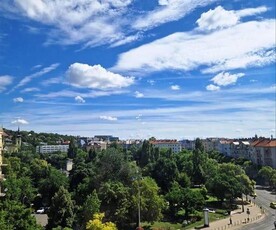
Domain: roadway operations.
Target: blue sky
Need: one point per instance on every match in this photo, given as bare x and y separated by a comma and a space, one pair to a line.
138, 68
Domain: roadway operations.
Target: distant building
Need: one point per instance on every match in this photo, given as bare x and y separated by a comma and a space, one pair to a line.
263, 152
187, 144
174, 145
106, 138
51, 148
12, 144
96, 145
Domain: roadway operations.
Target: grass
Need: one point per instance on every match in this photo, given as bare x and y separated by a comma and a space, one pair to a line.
175, 226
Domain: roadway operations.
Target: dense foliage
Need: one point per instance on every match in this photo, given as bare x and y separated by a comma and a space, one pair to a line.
116, 182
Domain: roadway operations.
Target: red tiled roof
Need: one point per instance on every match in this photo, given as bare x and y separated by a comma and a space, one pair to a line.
264, 143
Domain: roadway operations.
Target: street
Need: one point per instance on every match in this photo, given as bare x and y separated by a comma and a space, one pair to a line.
263, 199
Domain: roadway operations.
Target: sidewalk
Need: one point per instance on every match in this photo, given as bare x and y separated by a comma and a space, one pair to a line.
239, 218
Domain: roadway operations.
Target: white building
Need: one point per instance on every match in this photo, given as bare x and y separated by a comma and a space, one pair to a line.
174, 145
51, 148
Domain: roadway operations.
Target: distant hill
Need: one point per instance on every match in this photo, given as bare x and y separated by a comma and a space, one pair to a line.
35, 139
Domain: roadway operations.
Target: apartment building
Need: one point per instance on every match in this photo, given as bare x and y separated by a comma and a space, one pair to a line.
263, 152
174, 145
51, 148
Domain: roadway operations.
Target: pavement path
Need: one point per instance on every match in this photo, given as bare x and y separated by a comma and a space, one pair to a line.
238, 218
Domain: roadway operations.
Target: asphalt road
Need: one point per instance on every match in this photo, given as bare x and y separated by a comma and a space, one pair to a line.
263, 199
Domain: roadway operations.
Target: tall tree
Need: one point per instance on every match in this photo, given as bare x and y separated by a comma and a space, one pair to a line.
151, 203
61, 211
90, 207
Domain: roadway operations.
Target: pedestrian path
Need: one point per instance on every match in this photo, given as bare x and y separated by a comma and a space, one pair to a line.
237, 219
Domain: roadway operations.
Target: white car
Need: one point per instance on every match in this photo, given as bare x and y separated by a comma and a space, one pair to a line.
40, 210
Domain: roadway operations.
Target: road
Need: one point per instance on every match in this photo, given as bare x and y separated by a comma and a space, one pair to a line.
264, 197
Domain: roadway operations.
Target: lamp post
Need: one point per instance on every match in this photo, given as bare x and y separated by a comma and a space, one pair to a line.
206, 217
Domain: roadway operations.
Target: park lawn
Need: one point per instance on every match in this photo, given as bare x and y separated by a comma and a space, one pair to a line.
175, 226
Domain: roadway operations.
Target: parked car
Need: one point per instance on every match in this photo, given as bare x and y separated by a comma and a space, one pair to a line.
211, 210
41, 210
273, 205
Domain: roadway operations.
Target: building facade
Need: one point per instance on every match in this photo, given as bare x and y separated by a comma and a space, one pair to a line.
174, 145
51, 148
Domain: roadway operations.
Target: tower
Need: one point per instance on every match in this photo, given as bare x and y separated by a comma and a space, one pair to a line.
18, 140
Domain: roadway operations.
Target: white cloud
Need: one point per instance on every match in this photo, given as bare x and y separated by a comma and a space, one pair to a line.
251, 11
109, 118
220, 50
29, 78
220, 18
50, 81
78, 21
28, 90
5, 81
96, 77
82, 21
224, 78
217, 18
36, 67
79, 99
169, 10
18, 99
138, 94
175, 87
20, 121
212, 87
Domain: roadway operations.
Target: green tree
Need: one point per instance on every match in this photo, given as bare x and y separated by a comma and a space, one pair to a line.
268, 175
61, 211
116, 201
151, 203
199, 158
165, 171
90, 207
51, 184
14, 215
184, 198
72, 151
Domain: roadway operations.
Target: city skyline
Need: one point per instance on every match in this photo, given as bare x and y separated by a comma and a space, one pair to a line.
136, 69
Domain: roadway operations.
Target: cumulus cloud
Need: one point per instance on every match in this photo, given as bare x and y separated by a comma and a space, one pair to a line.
212, 87
18, 100
109, 118
220, 18
138, 94
96, 77
175, 87
239, 46
4, 82
224, 78
79, 99
20, 121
